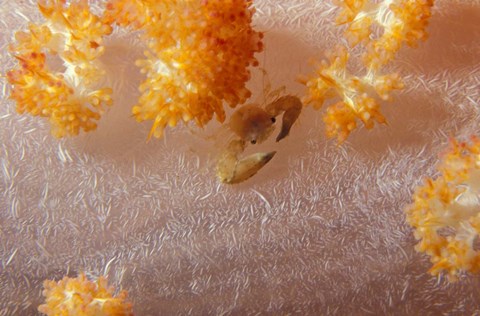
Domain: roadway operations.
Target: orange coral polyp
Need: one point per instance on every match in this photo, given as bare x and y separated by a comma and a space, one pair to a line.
198, 57
69, 99
350, 9
450, 203
333, 80
82, 297
402, 21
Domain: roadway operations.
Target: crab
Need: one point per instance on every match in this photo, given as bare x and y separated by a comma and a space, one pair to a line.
254, 124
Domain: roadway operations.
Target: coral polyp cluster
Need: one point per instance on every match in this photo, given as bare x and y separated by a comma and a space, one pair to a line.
401, 21
82, 297
71, 99
333, 80
446, 212
198, 56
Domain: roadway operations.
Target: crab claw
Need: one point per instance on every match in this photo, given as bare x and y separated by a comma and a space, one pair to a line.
289, 117
291, 106
242, 169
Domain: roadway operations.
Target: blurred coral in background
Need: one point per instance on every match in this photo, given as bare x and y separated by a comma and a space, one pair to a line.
82, 297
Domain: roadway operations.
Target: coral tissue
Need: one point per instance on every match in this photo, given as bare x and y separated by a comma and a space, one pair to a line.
446, 212
400, 21
71, 99
82, 297
197, 56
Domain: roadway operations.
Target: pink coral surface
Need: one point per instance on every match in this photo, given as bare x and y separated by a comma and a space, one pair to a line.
320, 230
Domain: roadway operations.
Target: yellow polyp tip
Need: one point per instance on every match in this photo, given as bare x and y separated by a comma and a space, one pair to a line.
150, 134
149, 137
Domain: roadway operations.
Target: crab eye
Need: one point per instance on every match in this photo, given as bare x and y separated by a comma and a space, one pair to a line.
273, 120
253, 141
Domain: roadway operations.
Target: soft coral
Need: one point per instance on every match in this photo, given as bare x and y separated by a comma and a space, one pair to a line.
70, 99
446, 211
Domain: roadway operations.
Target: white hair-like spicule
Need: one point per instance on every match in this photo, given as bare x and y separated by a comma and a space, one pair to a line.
320, 230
